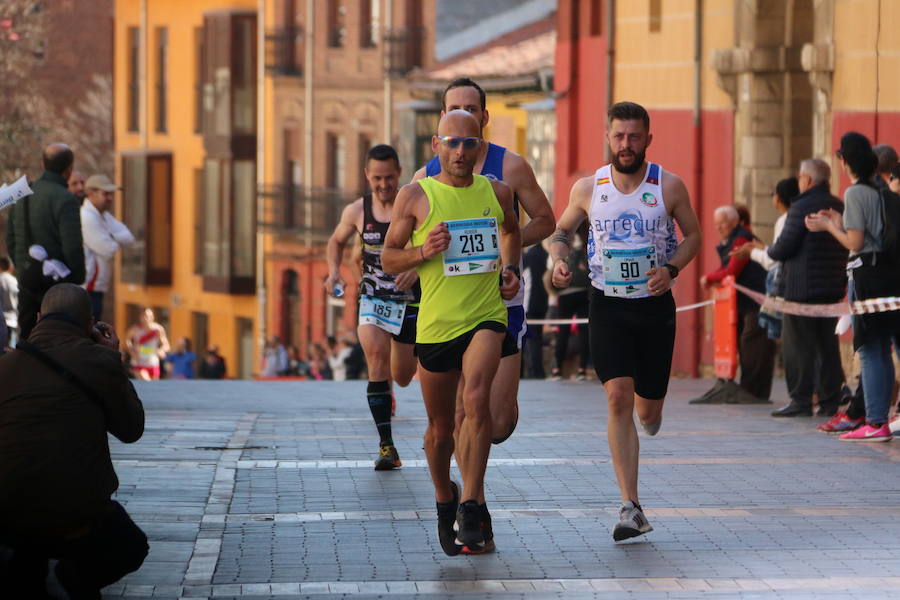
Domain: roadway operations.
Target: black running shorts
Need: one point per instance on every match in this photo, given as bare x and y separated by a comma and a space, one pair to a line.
407, 333
448, 356
633, 337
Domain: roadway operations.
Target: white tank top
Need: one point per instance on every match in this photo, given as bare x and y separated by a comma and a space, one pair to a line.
628, 233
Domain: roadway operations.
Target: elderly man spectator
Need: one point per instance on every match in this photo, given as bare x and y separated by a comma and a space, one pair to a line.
48, 218
813, 271
9, 300
63, 390
755, 349
103, 236
76, 186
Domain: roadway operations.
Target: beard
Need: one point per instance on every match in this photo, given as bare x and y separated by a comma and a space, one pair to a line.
635, 165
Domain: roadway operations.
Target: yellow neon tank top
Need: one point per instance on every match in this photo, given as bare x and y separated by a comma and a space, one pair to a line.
451, 306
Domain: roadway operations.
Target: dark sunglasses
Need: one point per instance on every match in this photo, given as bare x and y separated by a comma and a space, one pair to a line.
452, 141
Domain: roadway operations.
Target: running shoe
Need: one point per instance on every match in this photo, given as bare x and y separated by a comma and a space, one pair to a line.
652, 428
446, 513
387, 459
869, 433
632, 522
581, 375
555, 375
468, 522
487, 531
841, 423
894, 425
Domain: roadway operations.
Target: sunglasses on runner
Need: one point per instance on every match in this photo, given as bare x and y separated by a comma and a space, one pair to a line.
452, 141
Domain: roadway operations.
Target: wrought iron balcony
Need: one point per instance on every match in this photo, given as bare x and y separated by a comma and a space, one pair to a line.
284, 51
404, 46
292, 210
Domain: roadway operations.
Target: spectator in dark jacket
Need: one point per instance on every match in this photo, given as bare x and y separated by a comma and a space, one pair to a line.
536, 302
813, 271
755, 349
213, 365
54, 222
56, 475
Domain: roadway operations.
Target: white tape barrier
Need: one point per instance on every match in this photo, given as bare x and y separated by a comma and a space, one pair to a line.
584, 321
840, 309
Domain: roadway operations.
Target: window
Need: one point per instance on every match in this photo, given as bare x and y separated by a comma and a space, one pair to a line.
369, 19
198, 221
595, 8
655, 15
229, 222
199, 61
147, 203
365, 143
336, 156
134, 58
245, 347
162, 58
229, 85
337, 28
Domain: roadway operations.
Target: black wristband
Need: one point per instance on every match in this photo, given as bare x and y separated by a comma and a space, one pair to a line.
514, 269
673, 270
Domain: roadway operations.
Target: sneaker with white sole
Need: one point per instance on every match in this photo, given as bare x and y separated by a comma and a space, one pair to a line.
869, 433
632, 522
652, 428
894, 425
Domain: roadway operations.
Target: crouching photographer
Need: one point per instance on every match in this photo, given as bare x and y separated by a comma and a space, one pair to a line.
63, 390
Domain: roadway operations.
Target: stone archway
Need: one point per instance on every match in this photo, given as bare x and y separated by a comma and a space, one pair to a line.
778, 113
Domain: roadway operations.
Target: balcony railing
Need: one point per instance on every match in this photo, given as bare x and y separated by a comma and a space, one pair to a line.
404, 46
292, 210
284, 51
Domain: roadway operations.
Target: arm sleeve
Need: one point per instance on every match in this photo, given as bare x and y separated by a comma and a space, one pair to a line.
788, 243
123, 408
734, 266
854, 210
97, 238
119, 230
72, 241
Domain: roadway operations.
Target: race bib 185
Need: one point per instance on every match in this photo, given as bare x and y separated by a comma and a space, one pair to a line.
474, 247
625, 270
384, 314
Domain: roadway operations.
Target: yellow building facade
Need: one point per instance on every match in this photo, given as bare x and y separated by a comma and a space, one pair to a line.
186, 118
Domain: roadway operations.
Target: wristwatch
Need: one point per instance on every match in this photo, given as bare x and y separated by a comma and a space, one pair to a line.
673, 270
514, 269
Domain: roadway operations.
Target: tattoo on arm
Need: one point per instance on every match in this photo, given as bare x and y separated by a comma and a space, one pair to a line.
561, 236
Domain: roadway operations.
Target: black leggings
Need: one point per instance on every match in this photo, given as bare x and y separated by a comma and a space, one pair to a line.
110, 549
575, 304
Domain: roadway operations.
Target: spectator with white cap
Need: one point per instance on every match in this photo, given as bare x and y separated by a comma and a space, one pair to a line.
103, 235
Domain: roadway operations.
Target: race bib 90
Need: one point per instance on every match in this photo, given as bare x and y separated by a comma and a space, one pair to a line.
384, 314
625, 270
474, 247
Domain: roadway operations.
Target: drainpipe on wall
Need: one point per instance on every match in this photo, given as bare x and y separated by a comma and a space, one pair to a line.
261, 318
698, 161
610, 58
308, 45
143, 74
388, 90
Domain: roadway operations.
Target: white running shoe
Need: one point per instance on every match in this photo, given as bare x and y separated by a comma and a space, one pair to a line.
632, 522
652, 428
894, 425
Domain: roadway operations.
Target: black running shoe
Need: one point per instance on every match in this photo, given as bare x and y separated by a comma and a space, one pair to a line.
446, 512
487, 531
387, 459
468, 522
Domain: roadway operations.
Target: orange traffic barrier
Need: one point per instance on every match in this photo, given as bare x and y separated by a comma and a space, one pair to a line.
725, 329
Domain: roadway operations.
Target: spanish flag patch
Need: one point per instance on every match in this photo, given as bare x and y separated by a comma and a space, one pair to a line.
602, 180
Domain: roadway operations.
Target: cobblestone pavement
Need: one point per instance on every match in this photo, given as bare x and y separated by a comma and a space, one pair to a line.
266, 490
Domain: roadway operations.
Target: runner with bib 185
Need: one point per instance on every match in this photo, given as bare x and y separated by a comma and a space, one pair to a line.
632, 207
388, 305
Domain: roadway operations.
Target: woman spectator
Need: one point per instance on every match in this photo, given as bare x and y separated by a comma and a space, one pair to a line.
861, 230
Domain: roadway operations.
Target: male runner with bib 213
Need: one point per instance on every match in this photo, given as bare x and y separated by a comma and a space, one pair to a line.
387, 304
462, 228
631, 206
501, 164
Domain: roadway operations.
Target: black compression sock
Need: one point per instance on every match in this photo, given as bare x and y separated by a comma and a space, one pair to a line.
379, 394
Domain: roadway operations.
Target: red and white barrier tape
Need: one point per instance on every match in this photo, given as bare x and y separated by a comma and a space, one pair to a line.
841, 309
584, 321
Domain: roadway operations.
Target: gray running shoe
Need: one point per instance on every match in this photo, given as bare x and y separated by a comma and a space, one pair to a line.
652, 428
632, 522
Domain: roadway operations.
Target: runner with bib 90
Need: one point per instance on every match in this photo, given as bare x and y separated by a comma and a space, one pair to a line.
632, 207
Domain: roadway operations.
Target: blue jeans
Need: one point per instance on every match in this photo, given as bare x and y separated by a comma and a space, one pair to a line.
877, 372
